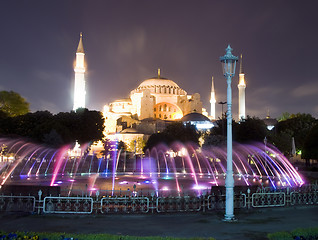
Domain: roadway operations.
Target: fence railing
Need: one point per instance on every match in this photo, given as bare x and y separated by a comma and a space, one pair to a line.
152, 203
124, 204
83, 205
17, 203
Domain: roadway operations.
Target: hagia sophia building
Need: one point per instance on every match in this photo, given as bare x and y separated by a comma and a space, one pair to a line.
152, 105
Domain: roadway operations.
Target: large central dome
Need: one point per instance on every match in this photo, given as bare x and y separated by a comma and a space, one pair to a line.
158, 82
160, 85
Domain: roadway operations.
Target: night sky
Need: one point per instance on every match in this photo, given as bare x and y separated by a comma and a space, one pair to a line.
126, 41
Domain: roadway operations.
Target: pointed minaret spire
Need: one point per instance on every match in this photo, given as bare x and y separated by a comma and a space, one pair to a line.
268, 115
241, 86
212, 100
241, 64
79, 86
80, 48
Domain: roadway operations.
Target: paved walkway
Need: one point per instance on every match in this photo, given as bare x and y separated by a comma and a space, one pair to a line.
252, 225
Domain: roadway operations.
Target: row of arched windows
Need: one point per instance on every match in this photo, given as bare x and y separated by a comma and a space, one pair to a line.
162, 116
164, 89
164, 108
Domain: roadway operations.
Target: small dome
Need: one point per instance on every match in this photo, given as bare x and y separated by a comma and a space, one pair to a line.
194, 117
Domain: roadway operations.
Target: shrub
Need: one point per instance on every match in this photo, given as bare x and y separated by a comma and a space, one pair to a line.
298, 234
307, 233
280, 236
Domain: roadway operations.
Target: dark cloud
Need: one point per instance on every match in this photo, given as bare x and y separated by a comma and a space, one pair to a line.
126, 41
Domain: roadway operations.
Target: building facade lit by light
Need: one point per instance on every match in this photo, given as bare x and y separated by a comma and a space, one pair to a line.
157, 98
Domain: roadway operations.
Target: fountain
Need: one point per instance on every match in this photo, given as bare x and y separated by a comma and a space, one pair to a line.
178, 169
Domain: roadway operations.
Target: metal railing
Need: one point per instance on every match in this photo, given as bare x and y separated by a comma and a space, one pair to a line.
82, 205
269, 199
124, 204
17, 203
131, 202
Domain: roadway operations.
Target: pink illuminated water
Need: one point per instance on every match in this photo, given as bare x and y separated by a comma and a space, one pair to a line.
176, 168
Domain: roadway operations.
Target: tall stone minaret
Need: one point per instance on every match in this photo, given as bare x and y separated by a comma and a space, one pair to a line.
241, 87
212, 101
79, 87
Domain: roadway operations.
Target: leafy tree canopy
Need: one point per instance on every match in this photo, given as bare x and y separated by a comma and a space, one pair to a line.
251, 129
298, 126
13, 104
63, 128
310, 148
174, 132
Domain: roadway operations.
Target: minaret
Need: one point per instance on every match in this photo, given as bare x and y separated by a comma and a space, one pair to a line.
79, 87
241, 87
212, 101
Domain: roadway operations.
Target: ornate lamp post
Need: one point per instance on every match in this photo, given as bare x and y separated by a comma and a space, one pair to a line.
229, 64
223, 115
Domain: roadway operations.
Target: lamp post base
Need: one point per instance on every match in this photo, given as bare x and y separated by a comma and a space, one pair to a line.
229, 219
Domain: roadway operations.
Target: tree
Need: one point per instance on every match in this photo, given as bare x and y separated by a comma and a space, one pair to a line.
298, 126
214, 140
83, 125
53, 139
121, 146
310, 148
13, 104
137, 144
63, 128
174, 132
284, 116
251, 129
90, 125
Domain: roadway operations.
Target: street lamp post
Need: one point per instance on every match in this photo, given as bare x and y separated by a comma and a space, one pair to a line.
222, 113
229, 64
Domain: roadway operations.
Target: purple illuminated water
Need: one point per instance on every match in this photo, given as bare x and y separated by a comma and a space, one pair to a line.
178, 168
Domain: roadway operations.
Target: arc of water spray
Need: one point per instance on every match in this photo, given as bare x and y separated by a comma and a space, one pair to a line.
59, 162
38, 171
16, 162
